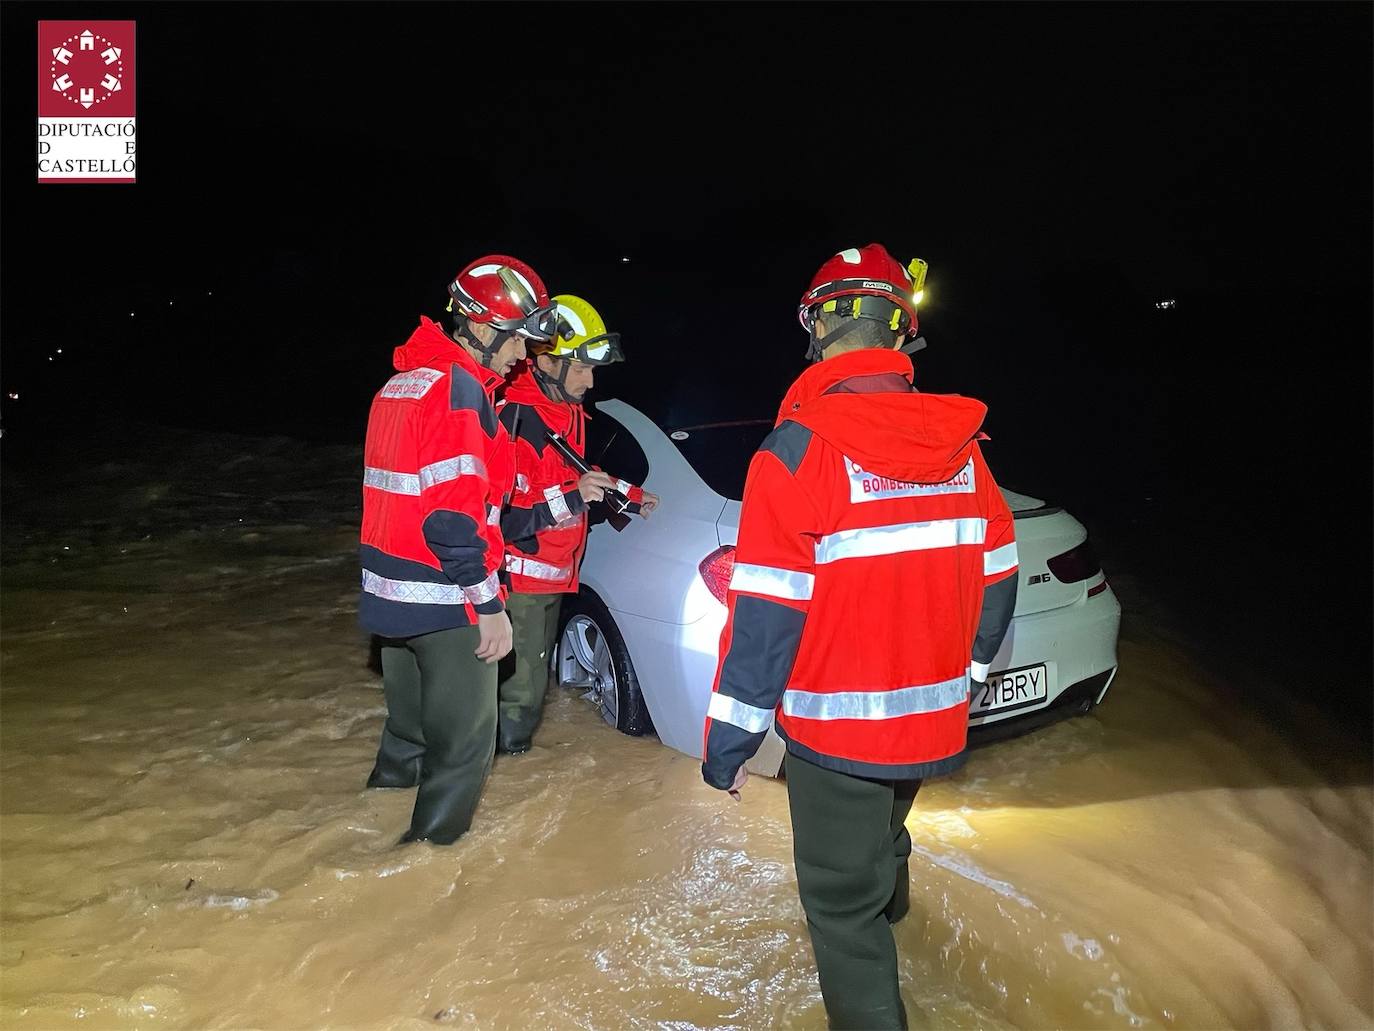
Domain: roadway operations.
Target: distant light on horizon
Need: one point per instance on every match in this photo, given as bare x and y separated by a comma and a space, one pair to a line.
14, 396
624, 261
131, 314
1166, 304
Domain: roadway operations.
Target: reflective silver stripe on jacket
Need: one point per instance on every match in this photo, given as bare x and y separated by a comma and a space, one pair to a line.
413, 592
999, 560
536, 570
418, 592
429, 476
392, 483
493, 514
624, 486
485, 591
737, 714
558, 505
875, 705
450, 469
772, 581
900, 537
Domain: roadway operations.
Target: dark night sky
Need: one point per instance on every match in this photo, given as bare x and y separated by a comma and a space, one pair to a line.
325, 168
341, 161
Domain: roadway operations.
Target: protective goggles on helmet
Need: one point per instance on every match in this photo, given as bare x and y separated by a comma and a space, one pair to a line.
600, 350
540, 324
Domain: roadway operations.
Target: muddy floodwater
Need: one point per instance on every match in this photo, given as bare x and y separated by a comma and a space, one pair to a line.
189, 714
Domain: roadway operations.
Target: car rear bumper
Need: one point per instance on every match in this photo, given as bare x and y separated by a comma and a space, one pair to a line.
1077, 644
1074, 701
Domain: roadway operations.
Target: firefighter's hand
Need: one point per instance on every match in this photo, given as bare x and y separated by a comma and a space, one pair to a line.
740, 777
593, 485
649, 503
496, 635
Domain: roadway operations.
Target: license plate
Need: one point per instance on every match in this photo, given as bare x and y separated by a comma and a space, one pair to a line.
1011, 689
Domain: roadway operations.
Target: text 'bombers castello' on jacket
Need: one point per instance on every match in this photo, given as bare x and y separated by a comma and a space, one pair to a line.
545, 526
875, 572
438, 469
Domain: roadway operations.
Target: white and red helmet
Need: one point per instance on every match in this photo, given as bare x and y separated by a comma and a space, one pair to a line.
505, 293
841, 285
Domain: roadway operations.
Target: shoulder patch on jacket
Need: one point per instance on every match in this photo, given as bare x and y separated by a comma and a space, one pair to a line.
466, 393
788, 441
413, 384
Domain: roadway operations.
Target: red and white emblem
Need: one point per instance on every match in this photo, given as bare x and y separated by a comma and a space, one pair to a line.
87, 68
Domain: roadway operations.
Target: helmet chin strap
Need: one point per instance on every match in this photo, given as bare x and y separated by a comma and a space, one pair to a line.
550, 385
487, 351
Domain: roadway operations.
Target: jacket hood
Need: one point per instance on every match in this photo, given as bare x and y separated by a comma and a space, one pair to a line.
430, 347
903, 435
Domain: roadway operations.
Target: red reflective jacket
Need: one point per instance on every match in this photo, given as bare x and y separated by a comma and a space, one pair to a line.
438, 468
875, 567
545, 527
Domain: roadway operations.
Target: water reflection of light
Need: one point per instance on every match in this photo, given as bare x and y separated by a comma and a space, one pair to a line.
942, 823
961, 865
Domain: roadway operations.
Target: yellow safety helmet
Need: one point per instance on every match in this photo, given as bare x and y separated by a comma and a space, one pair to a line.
582, 335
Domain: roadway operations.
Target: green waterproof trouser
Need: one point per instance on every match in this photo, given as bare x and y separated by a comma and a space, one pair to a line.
440, 728
851, 851
534, 618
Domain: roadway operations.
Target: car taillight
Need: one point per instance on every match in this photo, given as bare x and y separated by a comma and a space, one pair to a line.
716, 569
1075, 565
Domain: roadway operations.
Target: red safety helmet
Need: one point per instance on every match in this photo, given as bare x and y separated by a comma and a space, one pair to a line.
840, 285
504, 292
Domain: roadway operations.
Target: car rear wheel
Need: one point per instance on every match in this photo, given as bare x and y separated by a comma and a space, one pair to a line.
592, 658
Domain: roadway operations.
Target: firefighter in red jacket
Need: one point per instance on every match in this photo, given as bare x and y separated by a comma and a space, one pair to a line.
874, 580
545, 527
439, 468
